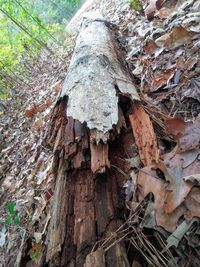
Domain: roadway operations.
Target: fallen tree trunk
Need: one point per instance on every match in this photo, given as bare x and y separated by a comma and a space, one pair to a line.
92, 141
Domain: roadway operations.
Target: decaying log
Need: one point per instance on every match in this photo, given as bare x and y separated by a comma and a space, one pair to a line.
91, 139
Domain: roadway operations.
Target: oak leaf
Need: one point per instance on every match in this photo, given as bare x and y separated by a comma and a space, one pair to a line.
177, 37
186, 134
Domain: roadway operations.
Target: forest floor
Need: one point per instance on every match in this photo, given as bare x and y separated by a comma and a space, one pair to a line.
161, 46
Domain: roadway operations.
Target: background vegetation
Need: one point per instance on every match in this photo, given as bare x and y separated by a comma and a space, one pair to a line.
25, 28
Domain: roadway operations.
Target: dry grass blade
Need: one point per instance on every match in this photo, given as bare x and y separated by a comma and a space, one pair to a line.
163, 245
128, 232
147, 258
157, 117
121, 233
150, 253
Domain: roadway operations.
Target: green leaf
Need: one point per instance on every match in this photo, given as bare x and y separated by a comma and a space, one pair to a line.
11, 207
135, 4
8, 220
17, 220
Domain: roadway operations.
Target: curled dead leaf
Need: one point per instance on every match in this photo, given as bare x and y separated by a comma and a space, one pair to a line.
165, 12
193, 90
195, 178
150, 46
30, 112
149, 182
175, 167
152, 7
177, 37
175, 196
177, 189
162, 78
186, 134
192, 204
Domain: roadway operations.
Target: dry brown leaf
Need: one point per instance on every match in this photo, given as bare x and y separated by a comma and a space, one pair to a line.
177, 37
192, 204
149, 182
191, 62
162, 78
30, 112
165, 12
193, 90
150, 46
189, 162
58, 87
36, 252
178, 166
186, 134
177, 190
144, 134
195, 178
152, 7
41, 108
184, 65
175, 167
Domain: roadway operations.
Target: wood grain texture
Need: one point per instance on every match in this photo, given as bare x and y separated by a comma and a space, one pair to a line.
144, 134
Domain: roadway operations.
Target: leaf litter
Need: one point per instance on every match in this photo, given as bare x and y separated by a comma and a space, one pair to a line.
26, 174
162, 47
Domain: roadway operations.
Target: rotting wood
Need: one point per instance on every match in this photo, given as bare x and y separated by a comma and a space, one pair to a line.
144, 134
96, 258
85, 135
99, 157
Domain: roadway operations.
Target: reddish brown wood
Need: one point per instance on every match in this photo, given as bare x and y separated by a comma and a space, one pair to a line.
99, 157
96, 258
144, 134
87, 206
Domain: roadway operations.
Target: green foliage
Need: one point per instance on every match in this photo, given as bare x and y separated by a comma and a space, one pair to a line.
13, 217
56, 10
135, 4
25, 27
22, 30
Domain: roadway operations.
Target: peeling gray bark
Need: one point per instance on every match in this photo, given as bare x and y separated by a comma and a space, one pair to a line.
95, 77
